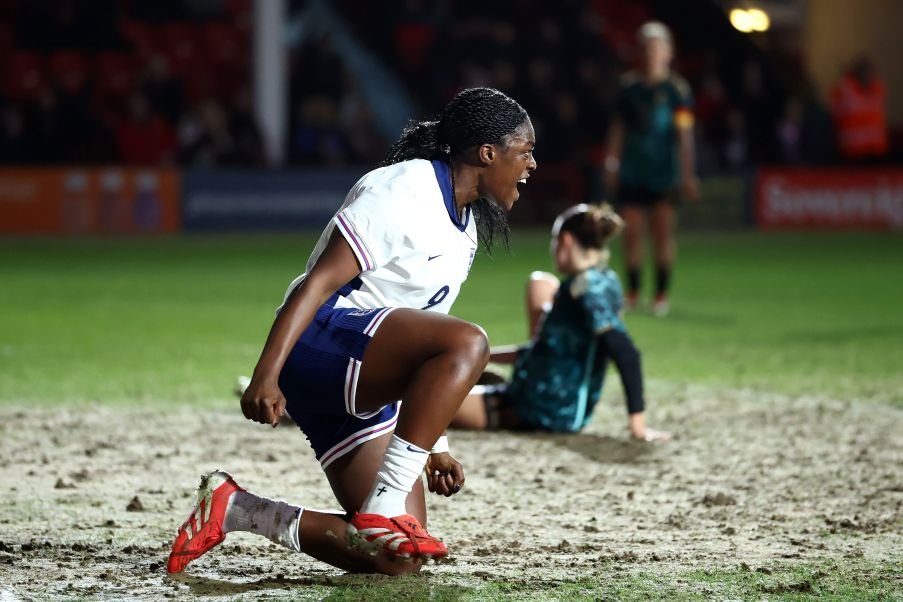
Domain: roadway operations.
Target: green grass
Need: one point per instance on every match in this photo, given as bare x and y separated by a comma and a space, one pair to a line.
173, 320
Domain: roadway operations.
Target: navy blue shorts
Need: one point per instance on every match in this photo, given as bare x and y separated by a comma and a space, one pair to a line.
319, 381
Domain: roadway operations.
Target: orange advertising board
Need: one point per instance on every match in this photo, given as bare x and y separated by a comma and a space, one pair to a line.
103, 200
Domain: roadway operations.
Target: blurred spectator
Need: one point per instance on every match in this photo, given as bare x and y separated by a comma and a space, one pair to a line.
758, 104
204, 136
15, 143
365, 141
560, 141
316, 137
163, 91
559, 60
145, 137
504, 76
712, 106
735, 141
45, 131
246, 137
860, 117
790, 132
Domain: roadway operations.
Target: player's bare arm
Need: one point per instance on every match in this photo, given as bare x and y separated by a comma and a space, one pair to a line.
689, 183
263, 401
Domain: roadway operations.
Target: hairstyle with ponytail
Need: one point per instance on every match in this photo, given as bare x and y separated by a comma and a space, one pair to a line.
473, 117
593, 226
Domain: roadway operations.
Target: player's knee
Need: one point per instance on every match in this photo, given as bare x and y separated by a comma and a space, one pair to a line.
472, 343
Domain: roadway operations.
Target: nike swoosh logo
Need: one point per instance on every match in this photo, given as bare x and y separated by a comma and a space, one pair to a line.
414, 449
432, 257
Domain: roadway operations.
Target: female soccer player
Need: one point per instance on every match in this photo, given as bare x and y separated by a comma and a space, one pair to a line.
576, 327
651, 160
351, 339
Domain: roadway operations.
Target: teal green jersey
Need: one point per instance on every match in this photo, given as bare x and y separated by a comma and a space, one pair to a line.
558, 378
651, 115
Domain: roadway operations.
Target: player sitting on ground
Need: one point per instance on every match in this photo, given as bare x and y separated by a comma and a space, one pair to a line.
576, 327
351, 339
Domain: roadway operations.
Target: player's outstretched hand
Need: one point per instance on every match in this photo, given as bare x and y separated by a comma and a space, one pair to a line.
263, 403
653, 436
444, 474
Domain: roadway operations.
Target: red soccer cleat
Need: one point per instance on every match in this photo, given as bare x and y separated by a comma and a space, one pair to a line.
401, 536
204, 528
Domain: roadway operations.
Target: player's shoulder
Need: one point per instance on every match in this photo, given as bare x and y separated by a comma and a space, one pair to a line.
399, 184
603, 275
680, 85
409, 174
595, 281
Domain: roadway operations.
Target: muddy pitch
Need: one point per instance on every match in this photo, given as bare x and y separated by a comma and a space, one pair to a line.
91, 498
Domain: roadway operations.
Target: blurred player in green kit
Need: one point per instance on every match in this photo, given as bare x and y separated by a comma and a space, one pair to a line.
649, 164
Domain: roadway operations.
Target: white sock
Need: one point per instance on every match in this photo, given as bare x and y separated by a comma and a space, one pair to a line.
276, 520
400, 469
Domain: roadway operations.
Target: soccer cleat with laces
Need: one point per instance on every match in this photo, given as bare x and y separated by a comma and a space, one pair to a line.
204, 528
401, 536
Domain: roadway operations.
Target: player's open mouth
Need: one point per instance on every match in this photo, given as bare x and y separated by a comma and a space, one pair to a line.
522, 181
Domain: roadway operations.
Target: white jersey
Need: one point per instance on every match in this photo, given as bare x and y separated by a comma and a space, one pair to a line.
414, 248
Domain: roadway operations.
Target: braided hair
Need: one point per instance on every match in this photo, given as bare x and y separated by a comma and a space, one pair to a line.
473, 117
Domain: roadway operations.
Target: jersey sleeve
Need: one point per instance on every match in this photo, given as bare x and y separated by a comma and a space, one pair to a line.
683, 103
600, 296
369, 223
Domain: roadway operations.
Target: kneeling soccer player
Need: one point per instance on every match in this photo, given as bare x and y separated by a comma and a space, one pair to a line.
366, 326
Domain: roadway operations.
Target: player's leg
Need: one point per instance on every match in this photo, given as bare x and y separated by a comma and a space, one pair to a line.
430, 362
662, 225
472, 415
481, 410
540, 292
224, 507
324, 535
634, 228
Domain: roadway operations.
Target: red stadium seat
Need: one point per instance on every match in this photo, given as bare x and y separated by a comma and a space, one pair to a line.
24, 76
412, 44
116, 73
181, 46
141, 36
239, 9
224, 44
7, 37
69, 70
201, 84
